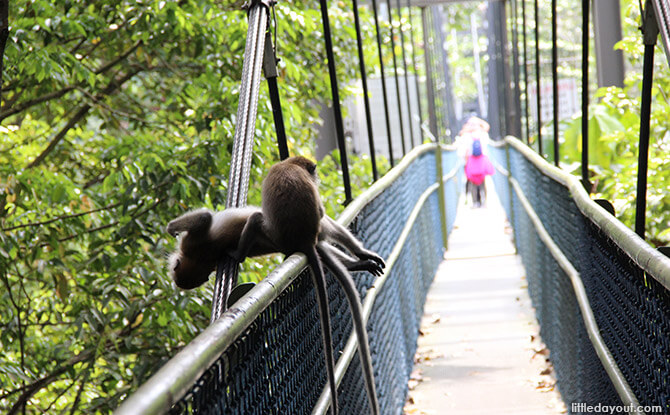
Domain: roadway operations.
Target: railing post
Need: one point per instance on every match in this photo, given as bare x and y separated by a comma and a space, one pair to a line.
650, 30
440, 195
511, 195
240, 165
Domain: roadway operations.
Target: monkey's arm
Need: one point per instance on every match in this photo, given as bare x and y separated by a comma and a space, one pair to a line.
195, 222
352, 264
332, 231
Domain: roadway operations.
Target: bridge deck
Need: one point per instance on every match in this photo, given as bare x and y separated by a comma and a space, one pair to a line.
477, 354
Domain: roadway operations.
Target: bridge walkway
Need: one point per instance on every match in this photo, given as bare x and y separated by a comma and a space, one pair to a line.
479, 351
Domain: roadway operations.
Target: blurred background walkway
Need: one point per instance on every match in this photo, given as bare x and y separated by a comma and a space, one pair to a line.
479, 352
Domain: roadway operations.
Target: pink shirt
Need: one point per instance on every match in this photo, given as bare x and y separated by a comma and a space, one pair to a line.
477, 168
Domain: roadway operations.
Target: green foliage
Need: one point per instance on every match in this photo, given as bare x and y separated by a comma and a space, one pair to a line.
614, 131
117, 116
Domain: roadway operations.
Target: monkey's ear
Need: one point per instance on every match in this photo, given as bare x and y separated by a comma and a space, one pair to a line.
311, 168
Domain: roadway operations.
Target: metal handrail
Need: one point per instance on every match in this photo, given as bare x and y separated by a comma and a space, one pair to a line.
650, 260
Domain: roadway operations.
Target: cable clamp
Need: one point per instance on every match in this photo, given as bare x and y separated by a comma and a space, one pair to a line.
249, 4
649, 25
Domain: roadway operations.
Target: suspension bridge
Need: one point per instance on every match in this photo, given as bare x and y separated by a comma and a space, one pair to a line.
599, 291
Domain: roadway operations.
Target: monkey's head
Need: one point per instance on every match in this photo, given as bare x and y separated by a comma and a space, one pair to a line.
188, 273
305, 163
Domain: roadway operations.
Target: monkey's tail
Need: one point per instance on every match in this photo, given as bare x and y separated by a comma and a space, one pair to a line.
356, 308
319, 280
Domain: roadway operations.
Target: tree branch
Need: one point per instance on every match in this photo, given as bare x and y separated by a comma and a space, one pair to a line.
73, 121
114, 84
52, 220
15, 109
85, 356
108, 65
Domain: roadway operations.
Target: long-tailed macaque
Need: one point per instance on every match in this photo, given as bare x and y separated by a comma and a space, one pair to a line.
291, 220
211, 235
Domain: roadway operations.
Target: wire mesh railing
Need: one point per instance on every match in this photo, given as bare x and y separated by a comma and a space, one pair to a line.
601, 293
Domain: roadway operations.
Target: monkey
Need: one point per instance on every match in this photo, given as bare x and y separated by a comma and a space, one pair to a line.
211, 235
291, 219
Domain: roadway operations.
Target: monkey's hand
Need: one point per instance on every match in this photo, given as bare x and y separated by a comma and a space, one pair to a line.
371, 256
368, 265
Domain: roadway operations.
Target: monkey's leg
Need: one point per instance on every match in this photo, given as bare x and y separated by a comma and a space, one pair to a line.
347, 284
196, 221
251, 234
333, 231
319, 280
352, 264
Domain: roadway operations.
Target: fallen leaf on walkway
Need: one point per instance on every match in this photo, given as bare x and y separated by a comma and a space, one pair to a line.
543, 352
545, 386
546, 371
436, 319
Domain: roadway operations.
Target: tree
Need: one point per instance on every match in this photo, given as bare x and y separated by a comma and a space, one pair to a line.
115, 118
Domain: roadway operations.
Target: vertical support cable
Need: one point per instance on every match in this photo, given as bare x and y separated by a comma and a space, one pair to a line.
339, 127
397, 83
554, 78
383, 78
516, 121
474, 33
270, 71
404, 65
443, 66
585, 94
537, 78
650, 30
416, 72
430, 88
240, 165
366, 99
525, 69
